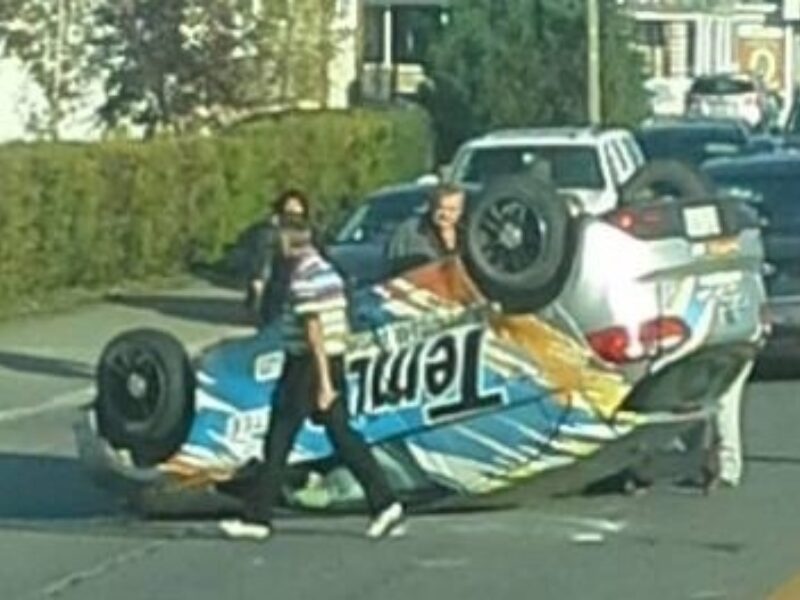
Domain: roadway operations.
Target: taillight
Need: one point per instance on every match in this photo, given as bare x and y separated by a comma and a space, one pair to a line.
663, 333
643, 223
611, 344
656, 336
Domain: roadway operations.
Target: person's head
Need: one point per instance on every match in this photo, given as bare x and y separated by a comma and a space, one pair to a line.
447, 205
292, 207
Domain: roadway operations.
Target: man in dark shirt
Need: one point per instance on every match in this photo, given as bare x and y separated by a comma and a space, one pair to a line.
263, 297
432, 236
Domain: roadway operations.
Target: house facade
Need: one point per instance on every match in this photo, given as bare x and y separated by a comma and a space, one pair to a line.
396, 36
684, 38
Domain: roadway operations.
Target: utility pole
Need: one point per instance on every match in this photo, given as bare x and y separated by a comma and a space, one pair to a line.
55, 90
593, 33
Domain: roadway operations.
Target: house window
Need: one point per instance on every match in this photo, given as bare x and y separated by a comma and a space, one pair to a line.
343, 8
373, 34
413, 29
651, 33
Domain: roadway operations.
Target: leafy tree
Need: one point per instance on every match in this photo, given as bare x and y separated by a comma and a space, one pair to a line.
50, 37
185, 64
524, 63
147, 67
304, 49
624, 96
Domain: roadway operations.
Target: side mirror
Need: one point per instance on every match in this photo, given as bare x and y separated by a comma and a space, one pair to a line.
429, 179
443, 173
355, 236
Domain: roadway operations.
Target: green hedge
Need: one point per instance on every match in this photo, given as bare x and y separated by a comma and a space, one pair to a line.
97, 215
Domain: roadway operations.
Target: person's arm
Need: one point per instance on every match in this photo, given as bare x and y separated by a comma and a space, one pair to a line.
262, 269
268, 252
396, 248
326, 393
408, 248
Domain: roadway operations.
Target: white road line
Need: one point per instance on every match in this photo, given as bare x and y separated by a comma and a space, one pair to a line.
442, 563
69, 400
596, 523
568, 523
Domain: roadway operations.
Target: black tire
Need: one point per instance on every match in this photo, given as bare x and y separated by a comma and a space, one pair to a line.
520, 242
665, 178
145, 394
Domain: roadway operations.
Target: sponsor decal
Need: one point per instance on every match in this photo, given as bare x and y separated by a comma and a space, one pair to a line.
267, 367
442, 375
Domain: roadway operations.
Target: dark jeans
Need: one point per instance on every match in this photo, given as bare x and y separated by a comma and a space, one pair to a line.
294, 402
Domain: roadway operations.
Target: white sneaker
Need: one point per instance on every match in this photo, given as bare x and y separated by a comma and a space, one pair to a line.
398, 531
389, 522
236, 528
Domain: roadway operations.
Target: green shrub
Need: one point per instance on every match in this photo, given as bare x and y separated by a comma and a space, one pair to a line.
96, 215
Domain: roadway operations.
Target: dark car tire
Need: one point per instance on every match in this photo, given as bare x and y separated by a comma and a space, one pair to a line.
670, 177
145, 394
519, 242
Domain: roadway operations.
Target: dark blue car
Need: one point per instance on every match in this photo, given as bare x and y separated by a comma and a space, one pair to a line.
697, 140
772, 183
358, 247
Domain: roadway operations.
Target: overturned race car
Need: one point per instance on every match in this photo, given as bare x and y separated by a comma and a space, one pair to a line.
558, 349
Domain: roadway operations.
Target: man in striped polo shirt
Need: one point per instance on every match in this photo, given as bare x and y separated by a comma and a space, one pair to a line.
313, 382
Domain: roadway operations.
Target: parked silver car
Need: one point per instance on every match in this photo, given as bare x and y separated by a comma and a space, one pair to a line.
736, 96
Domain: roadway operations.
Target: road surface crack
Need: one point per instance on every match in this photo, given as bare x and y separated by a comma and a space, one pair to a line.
69, 582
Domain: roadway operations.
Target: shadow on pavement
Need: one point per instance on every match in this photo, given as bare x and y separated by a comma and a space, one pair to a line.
779, 360
55, 495
215, 310
58, 367
49, 488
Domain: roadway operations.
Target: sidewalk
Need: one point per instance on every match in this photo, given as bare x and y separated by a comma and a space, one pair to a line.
48, 361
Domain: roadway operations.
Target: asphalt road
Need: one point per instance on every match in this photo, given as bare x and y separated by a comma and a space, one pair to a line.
62, 538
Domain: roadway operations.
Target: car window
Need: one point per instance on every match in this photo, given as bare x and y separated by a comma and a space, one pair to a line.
694, 145
793, 124
569, 166
613, 166
625, 166
633, 151
379, 216
720, 86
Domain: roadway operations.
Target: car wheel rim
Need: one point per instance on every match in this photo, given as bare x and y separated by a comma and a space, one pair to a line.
137, 385
511, 236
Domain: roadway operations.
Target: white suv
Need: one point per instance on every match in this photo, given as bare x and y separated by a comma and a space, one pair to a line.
588, 163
